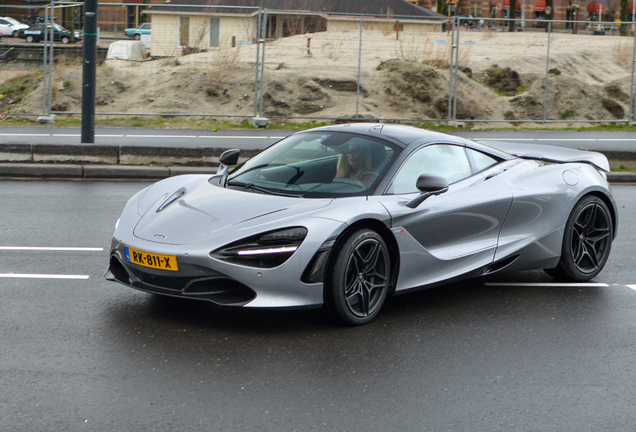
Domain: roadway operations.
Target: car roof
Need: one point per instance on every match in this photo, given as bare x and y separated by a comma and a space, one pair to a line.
395, 132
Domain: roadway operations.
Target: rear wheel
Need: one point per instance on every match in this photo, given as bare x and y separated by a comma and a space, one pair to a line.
137, 37
587, 241
29, 39
358, 279
65, 40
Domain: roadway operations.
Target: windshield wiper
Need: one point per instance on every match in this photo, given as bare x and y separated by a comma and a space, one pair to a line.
252, 186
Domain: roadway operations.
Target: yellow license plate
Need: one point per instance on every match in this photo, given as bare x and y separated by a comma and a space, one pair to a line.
152, 260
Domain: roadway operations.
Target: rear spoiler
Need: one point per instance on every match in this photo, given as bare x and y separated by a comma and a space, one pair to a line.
551, 153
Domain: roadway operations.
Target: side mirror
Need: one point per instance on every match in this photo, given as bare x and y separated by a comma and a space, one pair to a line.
429, 185
230, 157
227, 159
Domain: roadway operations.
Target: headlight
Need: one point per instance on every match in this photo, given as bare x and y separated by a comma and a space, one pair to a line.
266, 250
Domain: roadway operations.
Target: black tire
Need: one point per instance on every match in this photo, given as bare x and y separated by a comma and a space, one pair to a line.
29, 39
136, 37
358, 279
587, 241
65, 40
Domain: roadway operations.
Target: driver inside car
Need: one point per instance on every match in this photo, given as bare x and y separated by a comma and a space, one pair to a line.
356, 164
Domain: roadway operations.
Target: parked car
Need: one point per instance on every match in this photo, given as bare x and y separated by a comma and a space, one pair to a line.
468, 21
10, 26
35, 33
347, 215
135, 33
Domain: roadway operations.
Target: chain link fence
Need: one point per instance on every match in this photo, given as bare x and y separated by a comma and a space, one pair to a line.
215, 61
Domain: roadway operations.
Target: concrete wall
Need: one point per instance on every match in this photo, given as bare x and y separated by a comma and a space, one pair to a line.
165, 36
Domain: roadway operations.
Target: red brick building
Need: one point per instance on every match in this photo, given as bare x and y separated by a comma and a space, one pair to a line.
574, 10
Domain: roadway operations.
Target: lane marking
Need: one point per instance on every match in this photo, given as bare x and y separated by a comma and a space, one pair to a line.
631, 286
237, 137
546, 284
65, 135
554, 139
160, 136
34, 248
41, 276
23, 135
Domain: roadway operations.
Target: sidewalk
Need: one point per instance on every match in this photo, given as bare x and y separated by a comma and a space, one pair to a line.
143, 162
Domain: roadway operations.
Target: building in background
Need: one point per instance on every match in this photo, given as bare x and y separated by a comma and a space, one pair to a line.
187, 25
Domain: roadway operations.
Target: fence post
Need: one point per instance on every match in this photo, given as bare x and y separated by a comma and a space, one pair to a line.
450, 73
264, 28
258, 53
630, 118
359, 67
458, 25
52, 40
547, 73
45, 66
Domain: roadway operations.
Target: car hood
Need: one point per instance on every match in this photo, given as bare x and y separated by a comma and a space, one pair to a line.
208, 210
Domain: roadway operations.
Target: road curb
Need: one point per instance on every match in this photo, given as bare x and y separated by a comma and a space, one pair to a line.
140, 172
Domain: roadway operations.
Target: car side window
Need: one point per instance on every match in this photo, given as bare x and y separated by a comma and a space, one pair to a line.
443, 160
481, 161
3, 22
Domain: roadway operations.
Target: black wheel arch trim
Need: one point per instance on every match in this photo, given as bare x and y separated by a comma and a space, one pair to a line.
388, 237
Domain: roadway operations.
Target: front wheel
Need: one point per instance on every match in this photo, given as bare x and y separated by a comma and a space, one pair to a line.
587, 241
358, 278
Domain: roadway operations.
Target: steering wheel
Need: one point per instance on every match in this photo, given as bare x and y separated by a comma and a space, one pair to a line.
351, 182
368, 177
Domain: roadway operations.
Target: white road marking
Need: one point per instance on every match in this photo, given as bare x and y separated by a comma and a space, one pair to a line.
552, 139
631, 286
65, 135
42, 276
23, 135
161, 136
546, 284
237, 137
34, 248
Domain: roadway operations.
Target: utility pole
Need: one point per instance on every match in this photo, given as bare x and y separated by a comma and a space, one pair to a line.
89, 71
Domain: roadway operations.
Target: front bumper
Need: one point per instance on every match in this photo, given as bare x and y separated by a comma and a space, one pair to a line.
203, 277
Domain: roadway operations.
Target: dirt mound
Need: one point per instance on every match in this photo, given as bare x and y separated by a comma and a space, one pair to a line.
416, 88
503, 80
567, 99
15, 89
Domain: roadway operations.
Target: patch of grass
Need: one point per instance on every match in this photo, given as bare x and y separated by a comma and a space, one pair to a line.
522, 88
567, 114
623, 168
159, 123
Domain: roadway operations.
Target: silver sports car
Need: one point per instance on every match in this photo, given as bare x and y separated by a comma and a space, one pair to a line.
345, 216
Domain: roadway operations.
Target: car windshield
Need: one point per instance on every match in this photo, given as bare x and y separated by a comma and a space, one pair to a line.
317, 164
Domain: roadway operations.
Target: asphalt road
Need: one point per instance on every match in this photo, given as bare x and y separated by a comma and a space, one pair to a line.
261, 138
506, 354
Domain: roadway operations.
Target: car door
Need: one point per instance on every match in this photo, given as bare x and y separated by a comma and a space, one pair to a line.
5, 27
453, 233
